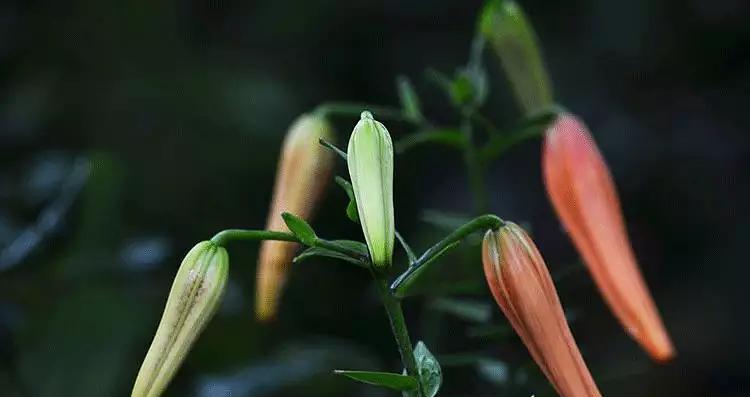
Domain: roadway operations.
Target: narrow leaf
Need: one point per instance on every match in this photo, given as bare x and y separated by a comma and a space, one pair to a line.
351, 211
352, 245
316, 251
479, 312
351, 208
333, 147
300, 228
409, 100
446, 137
407, 248
444, 220
383, 379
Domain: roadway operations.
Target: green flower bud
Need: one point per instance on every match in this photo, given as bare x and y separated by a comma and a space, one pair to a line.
196, 292
370, 160
513, 40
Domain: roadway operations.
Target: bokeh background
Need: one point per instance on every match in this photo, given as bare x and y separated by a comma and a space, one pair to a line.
131, 130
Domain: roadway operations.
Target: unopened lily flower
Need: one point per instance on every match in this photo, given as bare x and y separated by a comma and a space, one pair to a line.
505, 26
303, 173
370, 160
195, 295
520, 282
583, 194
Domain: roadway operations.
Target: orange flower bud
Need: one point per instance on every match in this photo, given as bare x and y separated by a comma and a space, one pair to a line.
521, 284
303, 172
581, 190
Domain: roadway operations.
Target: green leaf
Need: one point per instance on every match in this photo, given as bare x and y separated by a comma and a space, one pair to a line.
444, 220
351, 211
479, 312
333, 147
409, 253
300, 228
428, 368
447, 137
351, 208
324, 252
409, 100
383, 379
352, 245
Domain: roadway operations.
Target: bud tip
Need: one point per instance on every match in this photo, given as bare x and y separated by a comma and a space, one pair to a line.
366, 115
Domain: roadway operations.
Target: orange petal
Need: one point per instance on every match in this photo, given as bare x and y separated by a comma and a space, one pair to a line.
584, 196
521, 284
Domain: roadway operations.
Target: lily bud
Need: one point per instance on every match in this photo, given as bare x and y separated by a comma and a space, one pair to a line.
505, 26
370, 160
522, 287
196, 292
581, 190
303, 173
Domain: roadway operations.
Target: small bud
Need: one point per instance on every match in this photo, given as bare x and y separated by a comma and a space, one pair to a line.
520, 282
505, 26
581, 189
195, 295
370, 159
303, 172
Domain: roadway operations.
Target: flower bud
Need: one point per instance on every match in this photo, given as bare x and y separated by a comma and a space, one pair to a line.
370, 160
580, 187
505, 26
520, 282
303, 172
196, 292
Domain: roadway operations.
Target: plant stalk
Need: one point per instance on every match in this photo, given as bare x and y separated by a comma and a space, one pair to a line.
474, 168
398, 327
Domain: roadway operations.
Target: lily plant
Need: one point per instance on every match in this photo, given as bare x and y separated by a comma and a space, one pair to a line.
579, 185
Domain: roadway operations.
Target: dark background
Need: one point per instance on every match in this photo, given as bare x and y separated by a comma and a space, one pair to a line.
131, 130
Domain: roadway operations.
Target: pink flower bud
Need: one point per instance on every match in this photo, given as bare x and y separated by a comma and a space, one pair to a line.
521, 284
581, 190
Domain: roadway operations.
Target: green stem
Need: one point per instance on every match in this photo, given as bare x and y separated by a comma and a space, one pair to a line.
355, 109
405, 280
398, 327
223, 237
474, 168
483, 222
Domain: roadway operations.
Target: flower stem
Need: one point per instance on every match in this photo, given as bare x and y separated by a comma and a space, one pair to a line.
474, 168
223, 237
406, 279
398, 327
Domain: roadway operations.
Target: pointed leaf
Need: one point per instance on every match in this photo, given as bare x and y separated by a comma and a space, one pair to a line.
351, 211
351, 208
479, 312
409, 100
383, 379
300, 228
430, 374
316, 251
448, 137
333, 147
